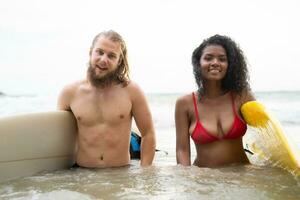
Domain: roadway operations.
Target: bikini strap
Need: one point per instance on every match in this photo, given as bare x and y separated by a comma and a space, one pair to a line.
233, 105
195, 107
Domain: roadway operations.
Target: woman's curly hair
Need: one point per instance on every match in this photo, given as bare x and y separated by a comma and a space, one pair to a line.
236, 78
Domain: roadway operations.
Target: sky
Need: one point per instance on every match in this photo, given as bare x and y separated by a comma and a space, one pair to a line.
44, 45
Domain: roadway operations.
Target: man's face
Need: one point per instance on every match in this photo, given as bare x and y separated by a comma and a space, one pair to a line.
104, 58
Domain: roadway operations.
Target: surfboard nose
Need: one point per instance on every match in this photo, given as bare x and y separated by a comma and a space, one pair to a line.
255, 114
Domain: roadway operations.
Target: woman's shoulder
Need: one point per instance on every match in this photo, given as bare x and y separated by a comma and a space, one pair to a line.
244, 96
184, 100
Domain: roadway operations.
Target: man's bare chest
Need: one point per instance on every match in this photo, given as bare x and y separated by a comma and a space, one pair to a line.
91, 110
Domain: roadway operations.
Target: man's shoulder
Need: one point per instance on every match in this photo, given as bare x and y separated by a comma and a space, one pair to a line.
67, 94
74, 86
134, 91
132, 86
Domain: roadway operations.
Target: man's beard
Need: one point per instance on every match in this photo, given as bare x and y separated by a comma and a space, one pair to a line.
106, 80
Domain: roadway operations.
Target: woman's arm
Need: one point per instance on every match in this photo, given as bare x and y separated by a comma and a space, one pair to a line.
183, 152
143, 119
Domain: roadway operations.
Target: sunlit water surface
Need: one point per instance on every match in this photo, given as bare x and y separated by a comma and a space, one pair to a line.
157, 182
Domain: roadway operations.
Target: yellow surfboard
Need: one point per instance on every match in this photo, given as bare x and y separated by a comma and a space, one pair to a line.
271, 143
31, 143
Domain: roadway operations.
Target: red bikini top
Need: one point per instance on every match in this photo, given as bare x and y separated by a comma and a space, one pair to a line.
201, 136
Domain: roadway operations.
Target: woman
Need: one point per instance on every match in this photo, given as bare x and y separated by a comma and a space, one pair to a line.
211, 115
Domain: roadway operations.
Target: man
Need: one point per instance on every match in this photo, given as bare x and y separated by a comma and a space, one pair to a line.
104, 104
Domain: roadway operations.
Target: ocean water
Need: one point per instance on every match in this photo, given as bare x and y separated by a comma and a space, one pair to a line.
164, 180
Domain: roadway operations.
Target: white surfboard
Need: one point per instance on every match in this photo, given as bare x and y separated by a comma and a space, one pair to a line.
36, 142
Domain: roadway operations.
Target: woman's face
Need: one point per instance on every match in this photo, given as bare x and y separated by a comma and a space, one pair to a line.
213, 63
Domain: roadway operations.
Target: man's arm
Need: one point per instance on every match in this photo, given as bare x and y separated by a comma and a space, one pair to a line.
143, 119
183, 152
64, 98
63, 103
